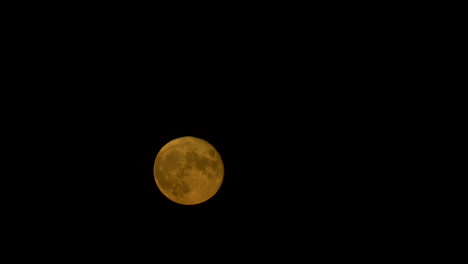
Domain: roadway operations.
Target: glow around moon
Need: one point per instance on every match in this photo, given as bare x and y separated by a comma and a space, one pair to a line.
188, 170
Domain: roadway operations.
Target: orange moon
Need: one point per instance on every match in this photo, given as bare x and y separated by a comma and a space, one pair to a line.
188, 170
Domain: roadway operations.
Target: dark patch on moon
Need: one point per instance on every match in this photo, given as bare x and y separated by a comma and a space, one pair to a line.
175, 187
195, 159
212, 153
179, 188
173, 160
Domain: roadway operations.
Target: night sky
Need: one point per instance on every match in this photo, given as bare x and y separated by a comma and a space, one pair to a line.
305, 112
301, 167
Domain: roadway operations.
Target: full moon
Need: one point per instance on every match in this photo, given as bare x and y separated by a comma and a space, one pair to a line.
188, 170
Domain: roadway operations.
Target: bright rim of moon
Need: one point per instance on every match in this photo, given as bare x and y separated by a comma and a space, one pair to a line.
188, 170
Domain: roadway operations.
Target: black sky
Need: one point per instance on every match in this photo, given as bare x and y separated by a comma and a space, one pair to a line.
307, 111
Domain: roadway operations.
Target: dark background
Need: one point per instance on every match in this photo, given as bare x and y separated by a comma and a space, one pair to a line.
305, 108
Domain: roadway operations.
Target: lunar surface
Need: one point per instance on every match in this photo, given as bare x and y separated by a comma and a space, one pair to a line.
188, 170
